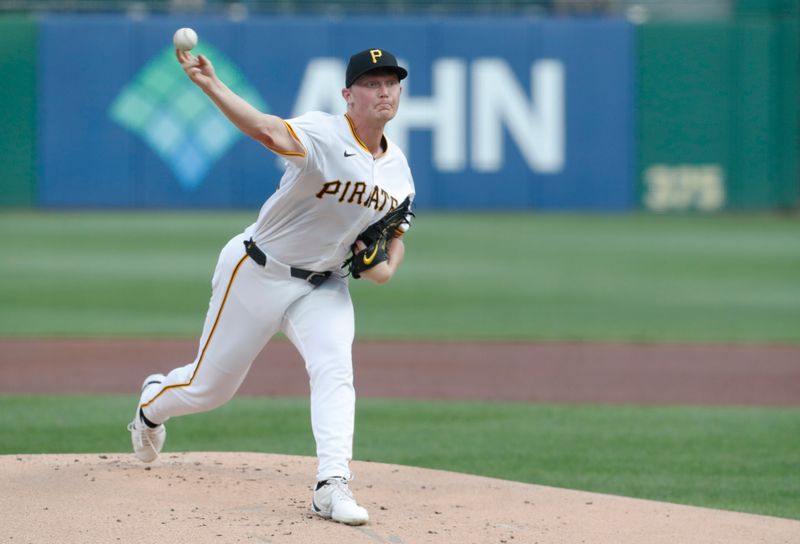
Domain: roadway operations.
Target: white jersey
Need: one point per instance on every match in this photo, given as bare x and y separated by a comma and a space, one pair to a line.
329, 194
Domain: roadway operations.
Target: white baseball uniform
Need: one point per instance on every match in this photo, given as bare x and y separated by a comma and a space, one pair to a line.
326, 197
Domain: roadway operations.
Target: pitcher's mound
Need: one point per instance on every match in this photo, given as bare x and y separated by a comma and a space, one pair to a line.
247, 497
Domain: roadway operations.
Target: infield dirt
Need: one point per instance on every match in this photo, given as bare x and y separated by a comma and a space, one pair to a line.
217, 498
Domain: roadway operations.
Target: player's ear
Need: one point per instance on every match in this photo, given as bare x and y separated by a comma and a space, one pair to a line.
346, 95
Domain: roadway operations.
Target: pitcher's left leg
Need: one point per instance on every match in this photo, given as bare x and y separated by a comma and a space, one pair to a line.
321, 326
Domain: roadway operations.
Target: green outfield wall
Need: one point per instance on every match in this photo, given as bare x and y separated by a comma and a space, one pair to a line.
17, 110
717, 111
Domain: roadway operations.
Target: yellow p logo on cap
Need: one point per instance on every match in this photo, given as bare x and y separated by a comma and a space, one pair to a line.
375, 54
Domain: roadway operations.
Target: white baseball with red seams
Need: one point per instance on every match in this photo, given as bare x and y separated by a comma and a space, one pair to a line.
185, 39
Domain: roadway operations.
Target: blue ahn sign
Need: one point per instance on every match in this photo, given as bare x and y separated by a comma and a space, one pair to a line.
535, 123
496, 113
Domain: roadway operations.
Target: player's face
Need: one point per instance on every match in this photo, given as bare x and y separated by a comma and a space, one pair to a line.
375, 96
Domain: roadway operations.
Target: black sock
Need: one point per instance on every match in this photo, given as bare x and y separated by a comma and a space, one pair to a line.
323, 482
147, 421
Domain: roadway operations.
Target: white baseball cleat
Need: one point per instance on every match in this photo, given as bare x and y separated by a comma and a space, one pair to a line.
334, 500
147, 441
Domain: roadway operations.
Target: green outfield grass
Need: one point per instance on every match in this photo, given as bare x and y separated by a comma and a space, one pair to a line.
720, 278
730, 458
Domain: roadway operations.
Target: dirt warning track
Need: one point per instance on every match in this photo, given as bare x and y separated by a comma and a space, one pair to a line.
518, 372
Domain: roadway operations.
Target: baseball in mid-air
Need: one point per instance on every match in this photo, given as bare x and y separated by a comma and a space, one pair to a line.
185, 39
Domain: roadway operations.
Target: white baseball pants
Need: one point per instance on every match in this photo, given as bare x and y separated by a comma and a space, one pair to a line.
249, 304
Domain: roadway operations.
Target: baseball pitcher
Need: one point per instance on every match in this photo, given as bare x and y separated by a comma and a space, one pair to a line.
340, 211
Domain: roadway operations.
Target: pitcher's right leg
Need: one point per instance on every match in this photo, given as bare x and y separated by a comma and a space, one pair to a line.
231, 339
246, 307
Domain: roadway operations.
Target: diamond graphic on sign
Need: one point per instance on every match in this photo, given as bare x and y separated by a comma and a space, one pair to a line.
176, 120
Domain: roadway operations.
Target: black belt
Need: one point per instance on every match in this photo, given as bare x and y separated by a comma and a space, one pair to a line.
314, 278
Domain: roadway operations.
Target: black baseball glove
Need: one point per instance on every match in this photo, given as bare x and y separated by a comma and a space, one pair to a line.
376, 237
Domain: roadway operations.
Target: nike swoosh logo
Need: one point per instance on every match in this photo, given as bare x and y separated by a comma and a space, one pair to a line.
346, 154
368, 260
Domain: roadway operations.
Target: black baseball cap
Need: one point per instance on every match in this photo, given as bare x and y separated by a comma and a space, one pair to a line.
372, 59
